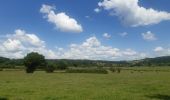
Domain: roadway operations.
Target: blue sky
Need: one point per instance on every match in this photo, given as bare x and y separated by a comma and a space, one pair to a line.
85, 29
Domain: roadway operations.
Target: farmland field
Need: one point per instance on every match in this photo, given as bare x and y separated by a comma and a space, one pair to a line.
127, 85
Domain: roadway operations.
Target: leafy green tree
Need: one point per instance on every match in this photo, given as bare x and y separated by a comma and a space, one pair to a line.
75, 65
62, 65
50, 68
33, 60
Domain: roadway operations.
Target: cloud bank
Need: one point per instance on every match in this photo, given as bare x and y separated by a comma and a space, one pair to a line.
131, 14
18, 44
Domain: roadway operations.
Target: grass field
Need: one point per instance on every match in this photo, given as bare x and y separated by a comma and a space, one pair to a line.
128, 85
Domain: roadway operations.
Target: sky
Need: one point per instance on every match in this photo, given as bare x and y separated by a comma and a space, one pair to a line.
85, 29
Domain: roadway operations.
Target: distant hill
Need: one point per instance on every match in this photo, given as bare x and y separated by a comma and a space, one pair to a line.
3, 59
157, 61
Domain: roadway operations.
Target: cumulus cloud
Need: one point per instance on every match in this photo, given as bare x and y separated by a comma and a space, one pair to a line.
18, 44
93, 49
149, 36
106, 35
130, 13
61, 20
12, 45
160, 51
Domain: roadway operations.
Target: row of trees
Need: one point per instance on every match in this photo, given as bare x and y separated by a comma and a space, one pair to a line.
34, 60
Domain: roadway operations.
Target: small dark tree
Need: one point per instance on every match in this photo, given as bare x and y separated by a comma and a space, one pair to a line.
62, 65
33, 60
75, 65
112, 69
118, 70
50, 68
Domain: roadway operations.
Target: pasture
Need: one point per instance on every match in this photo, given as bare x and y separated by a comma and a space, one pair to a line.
130, 84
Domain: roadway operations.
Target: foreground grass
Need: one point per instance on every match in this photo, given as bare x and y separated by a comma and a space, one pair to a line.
152, 85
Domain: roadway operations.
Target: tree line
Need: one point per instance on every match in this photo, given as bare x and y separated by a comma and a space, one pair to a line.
40, 62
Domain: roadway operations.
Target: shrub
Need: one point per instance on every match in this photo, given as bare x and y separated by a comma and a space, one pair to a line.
50, 68
7, 66
112, 70
1, 69
75, 65
118, 70
3, 98
100, 71
62, 65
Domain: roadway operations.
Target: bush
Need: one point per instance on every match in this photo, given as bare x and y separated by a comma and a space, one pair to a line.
62, 65
50, 68
3, 98
99, 71
10, 66
118, 70
1, 69
112, 70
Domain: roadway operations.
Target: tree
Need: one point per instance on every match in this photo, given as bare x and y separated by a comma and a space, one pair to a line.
62, 65
33, 60
75, 65
50, 68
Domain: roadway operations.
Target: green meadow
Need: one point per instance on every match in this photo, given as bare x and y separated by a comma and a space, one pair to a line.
130, 84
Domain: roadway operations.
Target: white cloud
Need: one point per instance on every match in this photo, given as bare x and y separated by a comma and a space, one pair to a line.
12, 45
93, 49
24, 37
61, 20
97, 10
160, 51
123, 34
129, 52
130, 13
149, 36
106, 35
20, 43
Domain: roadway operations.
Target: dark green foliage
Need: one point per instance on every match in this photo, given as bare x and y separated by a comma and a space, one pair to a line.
33, 60
50, 67
118, 70
115, 69
99, 71
158, 61
7, 66
3, 59
61, 65
112, 69
6, 63
75, 65
3, 98
1, 69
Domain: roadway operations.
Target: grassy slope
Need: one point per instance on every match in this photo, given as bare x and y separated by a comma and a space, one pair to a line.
16, 85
